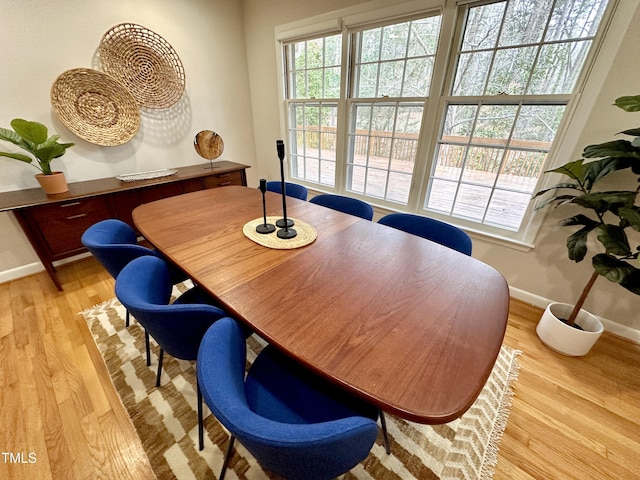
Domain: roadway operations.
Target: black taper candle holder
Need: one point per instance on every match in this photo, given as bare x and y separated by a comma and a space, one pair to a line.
265, 227
285, 231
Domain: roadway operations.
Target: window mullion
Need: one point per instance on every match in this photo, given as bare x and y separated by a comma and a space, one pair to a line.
434, 108
346, 83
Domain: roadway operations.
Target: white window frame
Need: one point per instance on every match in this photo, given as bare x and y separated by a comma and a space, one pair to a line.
348, 20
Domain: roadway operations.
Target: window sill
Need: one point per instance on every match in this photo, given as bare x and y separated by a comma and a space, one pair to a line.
495, 239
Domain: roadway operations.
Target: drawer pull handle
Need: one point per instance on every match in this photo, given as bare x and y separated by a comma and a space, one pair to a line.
73, 217
224, 184
223, 175
72, 204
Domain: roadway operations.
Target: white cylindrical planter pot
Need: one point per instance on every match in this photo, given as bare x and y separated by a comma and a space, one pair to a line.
564, 339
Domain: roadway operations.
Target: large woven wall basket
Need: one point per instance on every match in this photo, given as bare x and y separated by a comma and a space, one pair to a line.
145, 63
95, 106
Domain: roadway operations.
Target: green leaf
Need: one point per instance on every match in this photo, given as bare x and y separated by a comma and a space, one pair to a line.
579, 220
555, 187
628, 103
32, 137
603, 201
13, 137
632, 281
599, 169
31, 132
631, 215
614, 239
63, 149
561, 199
572, 169
46, 154
614, 269
17, 156
634, 132
577, 244
616, 148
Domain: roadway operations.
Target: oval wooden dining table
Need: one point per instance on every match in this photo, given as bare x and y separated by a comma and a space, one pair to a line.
403, 322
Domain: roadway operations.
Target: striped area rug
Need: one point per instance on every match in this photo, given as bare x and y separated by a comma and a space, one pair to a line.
166, 420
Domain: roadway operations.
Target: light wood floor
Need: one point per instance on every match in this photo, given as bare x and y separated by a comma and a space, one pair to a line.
61, 419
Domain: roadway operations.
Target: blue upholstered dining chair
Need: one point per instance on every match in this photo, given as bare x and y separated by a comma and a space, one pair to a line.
352, 206
294, 190
144, 287
114, 244
431, 229
294, 423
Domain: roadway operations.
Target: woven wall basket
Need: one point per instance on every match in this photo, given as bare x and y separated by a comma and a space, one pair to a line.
95, 106
145, 63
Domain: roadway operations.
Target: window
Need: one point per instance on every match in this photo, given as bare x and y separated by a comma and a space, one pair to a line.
314, 77
378, 112
517, 65
393, 69
488, 161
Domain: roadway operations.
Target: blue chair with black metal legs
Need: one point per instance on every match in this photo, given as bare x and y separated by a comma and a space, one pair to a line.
114, 244
431, 229
352, 206
294, 190
294, 423
144, 287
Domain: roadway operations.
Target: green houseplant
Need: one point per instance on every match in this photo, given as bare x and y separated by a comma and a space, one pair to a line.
609, 215
33, 138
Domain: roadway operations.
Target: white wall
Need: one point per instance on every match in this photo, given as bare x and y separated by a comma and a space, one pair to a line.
41, 40
544, 271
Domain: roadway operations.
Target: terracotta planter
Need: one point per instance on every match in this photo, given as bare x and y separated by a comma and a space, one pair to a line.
562, 338
54, 183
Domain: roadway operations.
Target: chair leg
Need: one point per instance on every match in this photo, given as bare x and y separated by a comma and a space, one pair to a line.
126, 321
200, 419
385, 434
160, 358
227, 457
147, 347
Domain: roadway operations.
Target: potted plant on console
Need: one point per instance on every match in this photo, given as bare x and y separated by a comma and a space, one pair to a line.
33, 137
612, 215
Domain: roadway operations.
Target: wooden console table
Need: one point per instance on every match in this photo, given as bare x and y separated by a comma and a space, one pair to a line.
54, 223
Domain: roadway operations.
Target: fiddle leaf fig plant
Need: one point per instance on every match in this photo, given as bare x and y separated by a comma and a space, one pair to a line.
610, 215
33, 138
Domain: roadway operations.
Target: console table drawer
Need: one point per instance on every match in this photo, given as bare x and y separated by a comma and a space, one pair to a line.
68, 210
223, 179
63, 225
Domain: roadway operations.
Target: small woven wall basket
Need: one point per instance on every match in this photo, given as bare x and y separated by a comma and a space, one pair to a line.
145, 63
95, 106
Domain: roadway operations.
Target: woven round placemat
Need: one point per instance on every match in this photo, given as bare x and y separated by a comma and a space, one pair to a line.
306, 234
145, 63
95, 106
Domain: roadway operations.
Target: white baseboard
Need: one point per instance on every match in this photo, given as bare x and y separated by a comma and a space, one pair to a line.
610, 326
20, 272
35, 267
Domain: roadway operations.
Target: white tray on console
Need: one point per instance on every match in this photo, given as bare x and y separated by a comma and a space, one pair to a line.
132, 177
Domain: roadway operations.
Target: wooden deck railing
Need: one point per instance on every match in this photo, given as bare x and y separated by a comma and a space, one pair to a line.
524, 158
